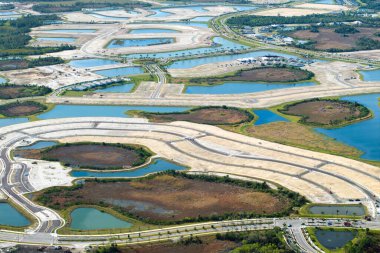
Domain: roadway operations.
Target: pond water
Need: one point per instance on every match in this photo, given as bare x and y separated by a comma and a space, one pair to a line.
124, 88
325, 2
371, 75
71, 31
2, 80
335, 238
364, 135
92, 219
159, 13
337, 210
196, 24
120, 71
59, 39
40, 144
152, 30
92, 62
241, 87
12, 121
10, 216
267, 116
201, 19
157, 165
184, 64
67, 111
221, 45
119, 43
8, 13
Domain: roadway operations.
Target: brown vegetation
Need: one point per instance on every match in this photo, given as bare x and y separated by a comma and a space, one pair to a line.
167, 198
211, 115
294, 134
19, 109
327, 38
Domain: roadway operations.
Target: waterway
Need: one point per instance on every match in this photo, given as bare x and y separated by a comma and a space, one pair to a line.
334, 239
364, 135
2, 80
93, 219
58, 39
124, 88
92, 62
120, 43
124, 71
371, 75
40, 144
9, 216
152, 30
68, 111
157, 165
241, 87
267, 116
220, 45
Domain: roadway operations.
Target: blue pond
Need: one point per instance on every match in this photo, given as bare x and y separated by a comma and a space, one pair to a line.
157, 165
93, 219
67, 111
9, 216
337, 210
334, 239
325, 2
71, 31
124, 88
201, 19
364, 135
40, 144
8, 13
267, 116
12, 121
59, 39
120, 71
119, 43
184, 64
371, 75
2, 80
196, 24
241, 87
221, 45
152, 30
159, 13
93, 62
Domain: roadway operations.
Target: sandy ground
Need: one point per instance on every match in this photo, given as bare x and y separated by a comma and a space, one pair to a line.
54, 76
46, 174
330, 7
239, 154
303, 9
369, 55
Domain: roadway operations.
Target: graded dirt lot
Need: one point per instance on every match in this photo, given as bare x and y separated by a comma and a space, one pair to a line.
325, 112
294, 134
213, 116
207, 245
169, 198
18, 109
327, 39
92, 155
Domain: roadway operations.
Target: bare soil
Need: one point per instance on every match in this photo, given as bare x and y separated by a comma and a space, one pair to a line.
327, 38
212, 116
323, 112
170, 198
